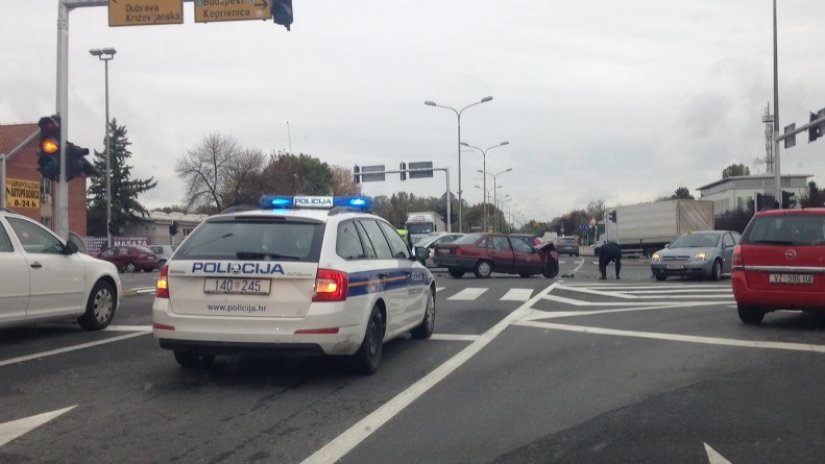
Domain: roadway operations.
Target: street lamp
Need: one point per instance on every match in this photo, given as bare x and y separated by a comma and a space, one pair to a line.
105, 55
495, 177
484, 169
458, 114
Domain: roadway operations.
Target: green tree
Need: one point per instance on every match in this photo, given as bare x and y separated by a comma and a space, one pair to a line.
287, 174
682, 193
124, 190
736, 170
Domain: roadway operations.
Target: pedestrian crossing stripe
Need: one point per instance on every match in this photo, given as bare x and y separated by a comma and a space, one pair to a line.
468, 294
624, 295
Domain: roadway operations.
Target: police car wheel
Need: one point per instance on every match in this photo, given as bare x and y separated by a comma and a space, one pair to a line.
425, 329
100, 307
367, 359
483, 269
191, 360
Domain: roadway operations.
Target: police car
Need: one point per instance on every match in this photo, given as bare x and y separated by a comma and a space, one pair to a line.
302, 275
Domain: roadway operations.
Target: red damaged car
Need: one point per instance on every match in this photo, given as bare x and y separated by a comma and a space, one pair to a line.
484, 254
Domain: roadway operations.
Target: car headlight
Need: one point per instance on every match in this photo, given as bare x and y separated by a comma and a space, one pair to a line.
656, 258
700, 257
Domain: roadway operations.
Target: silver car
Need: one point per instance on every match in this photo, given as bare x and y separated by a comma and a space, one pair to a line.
704, 253
430, 241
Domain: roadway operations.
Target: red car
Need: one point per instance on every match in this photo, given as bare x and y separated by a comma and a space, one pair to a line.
780, 263
484, 254
131, 258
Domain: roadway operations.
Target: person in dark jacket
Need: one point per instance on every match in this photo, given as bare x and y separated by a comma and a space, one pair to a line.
610, 251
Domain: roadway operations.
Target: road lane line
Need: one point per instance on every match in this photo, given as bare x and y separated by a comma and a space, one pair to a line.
72, 348
468, 294
128, 328
454, 337
677, 338
14, 429
517, 294
551, 314
438, 289
344, 443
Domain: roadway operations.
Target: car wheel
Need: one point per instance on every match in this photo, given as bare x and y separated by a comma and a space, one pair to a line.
455, 272
425, 329
661, 278
192, 360
551, 269
367, 359
749, 314
130, 267
483, 269
716, 270
524, 275
100, 307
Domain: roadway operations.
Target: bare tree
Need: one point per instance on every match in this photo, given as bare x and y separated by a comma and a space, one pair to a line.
204, 170
342, 182
243, 182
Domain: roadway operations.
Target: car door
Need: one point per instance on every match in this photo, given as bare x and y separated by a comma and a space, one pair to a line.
413, 284
728, 244
526, 259
14, 283
57, 280
386, 271
502, 254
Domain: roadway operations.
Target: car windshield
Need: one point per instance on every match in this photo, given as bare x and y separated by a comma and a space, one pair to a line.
696, 240
254, 240
786, 230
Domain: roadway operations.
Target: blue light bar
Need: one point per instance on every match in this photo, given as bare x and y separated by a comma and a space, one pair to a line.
314, 202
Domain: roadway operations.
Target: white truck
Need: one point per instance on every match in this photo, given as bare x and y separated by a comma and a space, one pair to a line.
423, 224
648, 227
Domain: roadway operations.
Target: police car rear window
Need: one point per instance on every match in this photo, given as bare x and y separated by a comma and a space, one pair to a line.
254, 239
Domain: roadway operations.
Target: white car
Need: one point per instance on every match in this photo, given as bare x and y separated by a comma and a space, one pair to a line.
164, 252
45, 278
302, 275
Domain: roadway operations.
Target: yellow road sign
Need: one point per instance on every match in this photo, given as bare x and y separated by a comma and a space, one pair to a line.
231, 10
145, 12
22, 193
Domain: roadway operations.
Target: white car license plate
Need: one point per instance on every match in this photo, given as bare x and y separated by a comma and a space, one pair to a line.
804, 279
236, 286
675, 266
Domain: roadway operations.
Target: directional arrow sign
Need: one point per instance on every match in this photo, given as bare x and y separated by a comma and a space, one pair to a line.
16, 428
145, 12
231, 10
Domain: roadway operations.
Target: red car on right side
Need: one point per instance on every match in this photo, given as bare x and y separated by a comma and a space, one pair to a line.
780, 263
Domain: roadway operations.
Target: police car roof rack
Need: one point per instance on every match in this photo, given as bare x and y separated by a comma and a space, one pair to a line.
346, 209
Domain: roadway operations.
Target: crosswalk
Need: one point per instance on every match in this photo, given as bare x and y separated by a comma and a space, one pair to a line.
615, 292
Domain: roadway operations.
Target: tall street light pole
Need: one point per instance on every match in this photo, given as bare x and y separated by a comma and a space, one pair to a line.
484, 169
458, 115
105, 55
495, 186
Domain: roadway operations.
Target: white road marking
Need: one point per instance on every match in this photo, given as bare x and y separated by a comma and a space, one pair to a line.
539, 314
344, 443
714, 457
71, 348
16, 428
517, 294
573, 302
455, 337
468, 294
438, 289
678, 338
128, 328
144, 290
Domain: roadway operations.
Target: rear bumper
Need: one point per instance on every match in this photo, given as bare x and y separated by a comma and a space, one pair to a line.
779, 297
244, 333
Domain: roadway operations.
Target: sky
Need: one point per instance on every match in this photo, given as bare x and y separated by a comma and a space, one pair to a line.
621, 101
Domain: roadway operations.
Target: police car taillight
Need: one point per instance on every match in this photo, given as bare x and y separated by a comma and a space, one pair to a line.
162, 287
330, 285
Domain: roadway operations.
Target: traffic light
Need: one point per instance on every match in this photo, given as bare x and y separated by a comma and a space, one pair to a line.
173, 228
282, 12
48, 162
76, 164
815, 132
613, 216
403, 167
356, 174
788, 200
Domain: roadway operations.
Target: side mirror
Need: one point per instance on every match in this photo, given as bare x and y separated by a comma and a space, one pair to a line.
421, 254
70, 248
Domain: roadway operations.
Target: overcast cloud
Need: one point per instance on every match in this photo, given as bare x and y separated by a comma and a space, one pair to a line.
617, 100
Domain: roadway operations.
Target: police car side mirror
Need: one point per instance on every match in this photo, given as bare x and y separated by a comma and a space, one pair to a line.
421, 254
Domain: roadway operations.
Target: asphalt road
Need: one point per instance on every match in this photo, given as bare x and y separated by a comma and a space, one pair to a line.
519, 371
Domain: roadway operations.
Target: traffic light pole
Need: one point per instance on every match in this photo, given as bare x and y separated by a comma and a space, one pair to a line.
399, 171
62, 94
